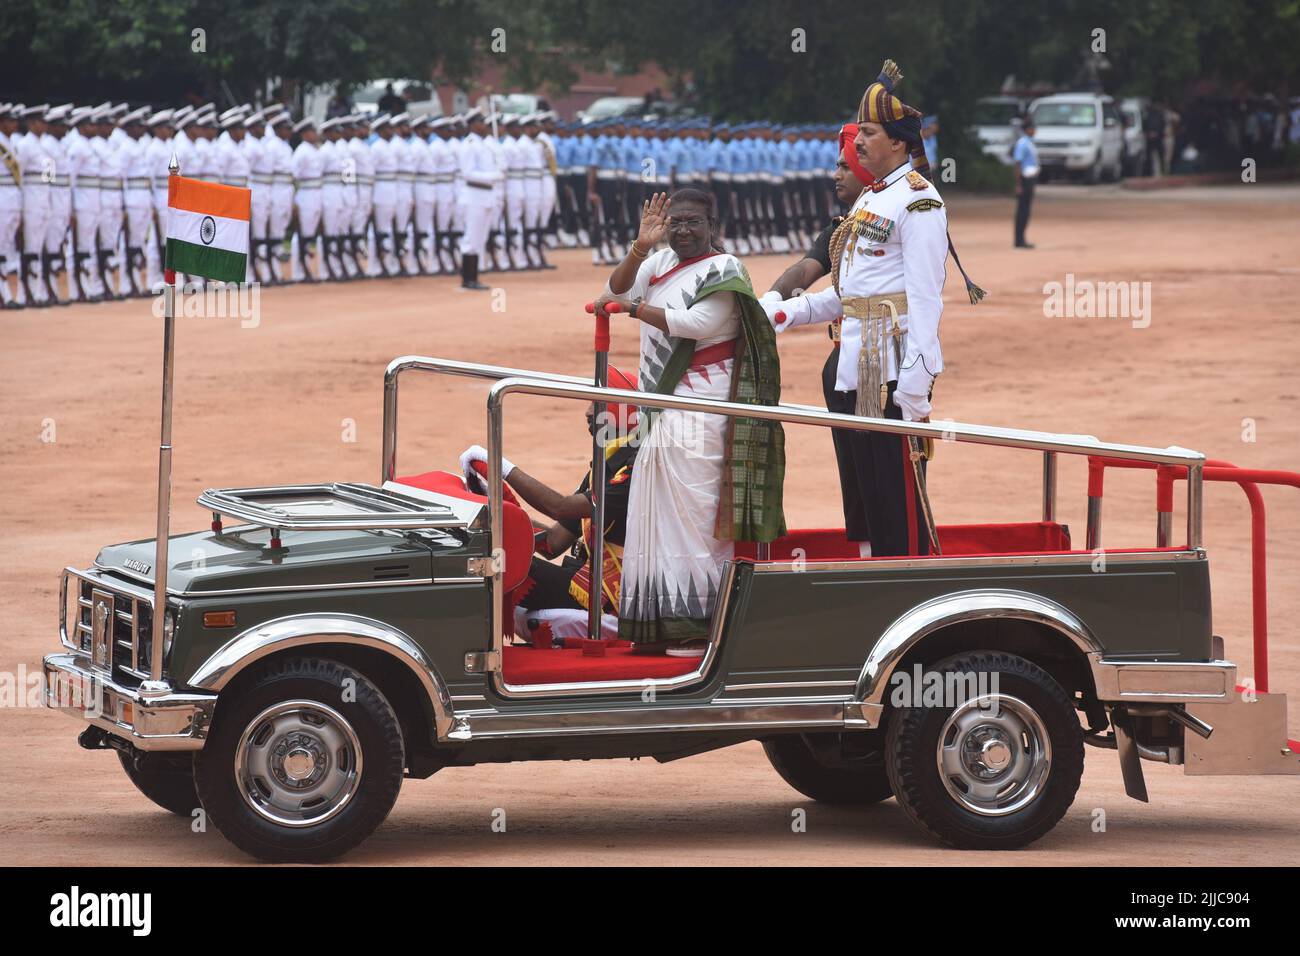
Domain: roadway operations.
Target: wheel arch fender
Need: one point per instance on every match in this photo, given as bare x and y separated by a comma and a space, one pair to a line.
910, 629
307, 630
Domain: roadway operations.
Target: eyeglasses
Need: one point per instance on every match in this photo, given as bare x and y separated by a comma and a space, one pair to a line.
693, 223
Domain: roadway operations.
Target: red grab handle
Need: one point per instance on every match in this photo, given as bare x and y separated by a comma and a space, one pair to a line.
602, 323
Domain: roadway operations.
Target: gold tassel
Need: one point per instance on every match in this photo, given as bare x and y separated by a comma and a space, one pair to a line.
974, 291
863, 405
891, 72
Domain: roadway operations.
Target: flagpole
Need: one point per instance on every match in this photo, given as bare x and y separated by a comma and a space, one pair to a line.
155, 683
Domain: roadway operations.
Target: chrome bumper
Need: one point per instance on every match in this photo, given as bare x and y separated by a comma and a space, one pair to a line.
1168, 682
170, 721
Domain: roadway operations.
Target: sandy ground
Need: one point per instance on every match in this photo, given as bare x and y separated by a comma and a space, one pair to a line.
298, 398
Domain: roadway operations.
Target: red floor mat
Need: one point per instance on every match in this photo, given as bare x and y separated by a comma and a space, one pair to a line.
528, 665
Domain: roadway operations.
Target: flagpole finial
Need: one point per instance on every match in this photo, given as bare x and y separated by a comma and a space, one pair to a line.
174, 167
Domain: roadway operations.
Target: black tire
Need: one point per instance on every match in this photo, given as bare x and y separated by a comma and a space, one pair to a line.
173, 790
371, 759
913, 758
810, 764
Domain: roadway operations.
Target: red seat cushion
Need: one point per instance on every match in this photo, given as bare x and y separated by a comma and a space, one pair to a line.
518, 545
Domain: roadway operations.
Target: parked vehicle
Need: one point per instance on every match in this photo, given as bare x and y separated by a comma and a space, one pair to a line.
1078, 134
610, 107
342, 636
997, 125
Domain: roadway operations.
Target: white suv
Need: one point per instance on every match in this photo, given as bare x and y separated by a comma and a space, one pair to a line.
1078, 133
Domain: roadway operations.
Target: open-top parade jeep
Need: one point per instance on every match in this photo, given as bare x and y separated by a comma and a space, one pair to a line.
321, 642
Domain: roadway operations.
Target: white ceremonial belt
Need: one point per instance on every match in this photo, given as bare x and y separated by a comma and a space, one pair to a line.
307, 183
406, 177
606, 174
262, 180
240, 182
88, 182
284, 178
365, 179
60, 180
722, 177
139, 182
109, 183
385, 177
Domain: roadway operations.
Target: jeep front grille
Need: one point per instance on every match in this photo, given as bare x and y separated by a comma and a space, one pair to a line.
111, 622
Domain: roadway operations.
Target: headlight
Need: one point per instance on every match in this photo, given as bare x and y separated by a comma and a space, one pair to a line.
169, 631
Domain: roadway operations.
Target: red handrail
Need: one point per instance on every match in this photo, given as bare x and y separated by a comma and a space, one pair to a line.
1249, 480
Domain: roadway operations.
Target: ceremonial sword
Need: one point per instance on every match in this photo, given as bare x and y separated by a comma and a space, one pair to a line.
914, 447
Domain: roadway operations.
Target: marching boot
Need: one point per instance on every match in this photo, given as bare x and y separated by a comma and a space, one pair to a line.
133, 259
542, 263
532, 249
36, 294
469, 272
7, 300
328, 258
49, 280
296, 259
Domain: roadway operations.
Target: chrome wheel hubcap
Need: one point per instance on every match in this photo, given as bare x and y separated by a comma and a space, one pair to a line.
994, 755
298, 763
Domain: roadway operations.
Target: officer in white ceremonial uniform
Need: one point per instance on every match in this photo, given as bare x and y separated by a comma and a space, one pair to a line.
445, 171
159, 152
426, 196
11, 203
279, 128
481, 174
889, 257
137, 194
307, 168
456, 132
544, 123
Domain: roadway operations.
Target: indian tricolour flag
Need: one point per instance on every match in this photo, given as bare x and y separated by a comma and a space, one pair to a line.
207, 229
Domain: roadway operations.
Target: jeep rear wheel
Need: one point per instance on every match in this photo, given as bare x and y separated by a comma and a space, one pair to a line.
171, 789
303, 763
828, 768
994, 771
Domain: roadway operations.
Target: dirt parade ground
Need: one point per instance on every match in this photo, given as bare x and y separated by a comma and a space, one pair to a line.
293, 393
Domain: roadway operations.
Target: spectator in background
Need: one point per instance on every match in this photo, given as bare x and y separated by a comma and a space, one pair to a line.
390, 102
1024, 157
1170, 136
1153, 131
930, 140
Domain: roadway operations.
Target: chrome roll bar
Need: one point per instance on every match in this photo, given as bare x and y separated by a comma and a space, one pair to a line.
511, 380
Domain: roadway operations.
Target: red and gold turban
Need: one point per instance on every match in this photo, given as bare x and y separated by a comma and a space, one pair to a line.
880, 106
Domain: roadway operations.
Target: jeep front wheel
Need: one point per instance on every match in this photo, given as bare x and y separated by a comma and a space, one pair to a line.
830, 768
171, 788
995, 770
303, 763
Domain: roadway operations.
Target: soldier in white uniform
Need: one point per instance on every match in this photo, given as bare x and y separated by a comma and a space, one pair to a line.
363, 161
261, 173
443, 160
36, 167
498, 258
11, 203
159, 153
279, 130
307, 199
385, 194
403, 249
545, 124
516, 172
55, 257
348, 162
536, 175
456, 132
426, 195
137, 195
478, 166
333, 212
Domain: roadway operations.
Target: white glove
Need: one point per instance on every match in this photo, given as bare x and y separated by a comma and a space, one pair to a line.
478, 453
772, 303
915, 407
